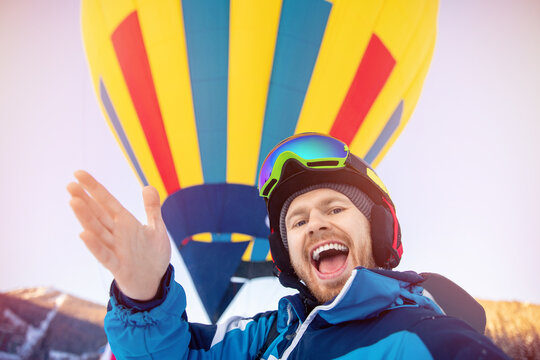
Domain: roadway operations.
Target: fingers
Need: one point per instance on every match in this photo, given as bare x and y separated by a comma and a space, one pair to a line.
152, 206
77, 191
90, 222
99, 193
101, 252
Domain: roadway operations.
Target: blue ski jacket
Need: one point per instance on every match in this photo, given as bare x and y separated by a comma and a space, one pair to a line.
379, 314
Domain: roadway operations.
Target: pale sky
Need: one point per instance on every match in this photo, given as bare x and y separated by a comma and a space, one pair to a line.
464, 173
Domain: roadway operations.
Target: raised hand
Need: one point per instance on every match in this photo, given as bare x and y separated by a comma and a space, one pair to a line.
137, 255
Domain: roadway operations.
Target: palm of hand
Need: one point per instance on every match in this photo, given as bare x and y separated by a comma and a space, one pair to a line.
137, 255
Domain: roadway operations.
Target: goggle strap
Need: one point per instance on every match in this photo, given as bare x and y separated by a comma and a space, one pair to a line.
322, 163
268, 187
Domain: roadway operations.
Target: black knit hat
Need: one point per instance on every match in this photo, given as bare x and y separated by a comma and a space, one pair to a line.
357, 197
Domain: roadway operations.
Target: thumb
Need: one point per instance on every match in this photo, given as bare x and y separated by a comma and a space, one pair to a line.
152, 206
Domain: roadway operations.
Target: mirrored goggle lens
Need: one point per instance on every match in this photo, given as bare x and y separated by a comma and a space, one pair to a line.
308, 147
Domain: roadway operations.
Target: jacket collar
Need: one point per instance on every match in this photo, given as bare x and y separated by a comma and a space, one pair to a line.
366, 294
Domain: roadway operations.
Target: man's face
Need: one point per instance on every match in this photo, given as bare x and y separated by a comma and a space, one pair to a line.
327, 237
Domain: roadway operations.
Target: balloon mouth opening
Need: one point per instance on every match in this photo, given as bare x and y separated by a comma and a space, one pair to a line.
224, 213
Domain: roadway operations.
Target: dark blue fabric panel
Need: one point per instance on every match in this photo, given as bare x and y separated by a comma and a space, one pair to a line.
207, 39
201, 336
362, 333
215, 208
449, 338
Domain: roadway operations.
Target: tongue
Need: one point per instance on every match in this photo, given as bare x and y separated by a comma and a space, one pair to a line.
330, 264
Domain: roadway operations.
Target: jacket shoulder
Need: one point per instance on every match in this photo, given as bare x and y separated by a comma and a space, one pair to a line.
405, 332
447, 337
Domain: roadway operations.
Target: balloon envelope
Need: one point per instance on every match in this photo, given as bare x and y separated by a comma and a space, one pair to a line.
198, 91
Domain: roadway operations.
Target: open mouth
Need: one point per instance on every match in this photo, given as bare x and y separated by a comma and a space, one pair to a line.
330, 259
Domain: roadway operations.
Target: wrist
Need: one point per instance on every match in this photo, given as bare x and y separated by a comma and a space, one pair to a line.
142, 290
144, 305
142, 286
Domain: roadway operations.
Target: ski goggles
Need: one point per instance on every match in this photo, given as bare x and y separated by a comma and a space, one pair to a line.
312, 150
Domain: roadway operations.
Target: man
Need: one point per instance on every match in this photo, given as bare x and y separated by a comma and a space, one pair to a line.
335, 237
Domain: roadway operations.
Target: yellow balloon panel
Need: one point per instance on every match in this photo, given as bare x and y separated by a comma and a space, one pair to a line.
409, 46
253, 29
349, 30
163, 35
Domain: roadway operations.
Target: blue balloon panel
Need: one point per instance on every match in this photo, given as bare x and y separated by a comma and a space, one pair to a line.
212, 285
220, 209
215, 208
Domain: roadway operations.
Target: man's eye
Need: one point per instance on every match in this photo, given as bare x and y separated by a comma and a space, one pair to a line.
300, 223
336, 210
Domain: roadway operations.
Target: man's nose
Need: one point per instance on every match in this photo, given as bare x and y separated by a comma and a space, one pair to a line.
317, 222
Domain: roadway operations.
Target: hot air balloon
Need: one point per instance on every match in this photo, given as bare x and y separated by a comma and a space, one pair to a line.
198, 91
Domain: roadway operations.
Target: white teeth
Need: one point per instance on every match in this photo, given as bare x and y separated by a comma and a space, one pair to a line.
317, 252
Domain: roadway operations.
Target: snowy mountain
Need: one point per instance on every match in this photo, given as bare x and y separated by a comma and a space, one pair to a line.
43, 323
